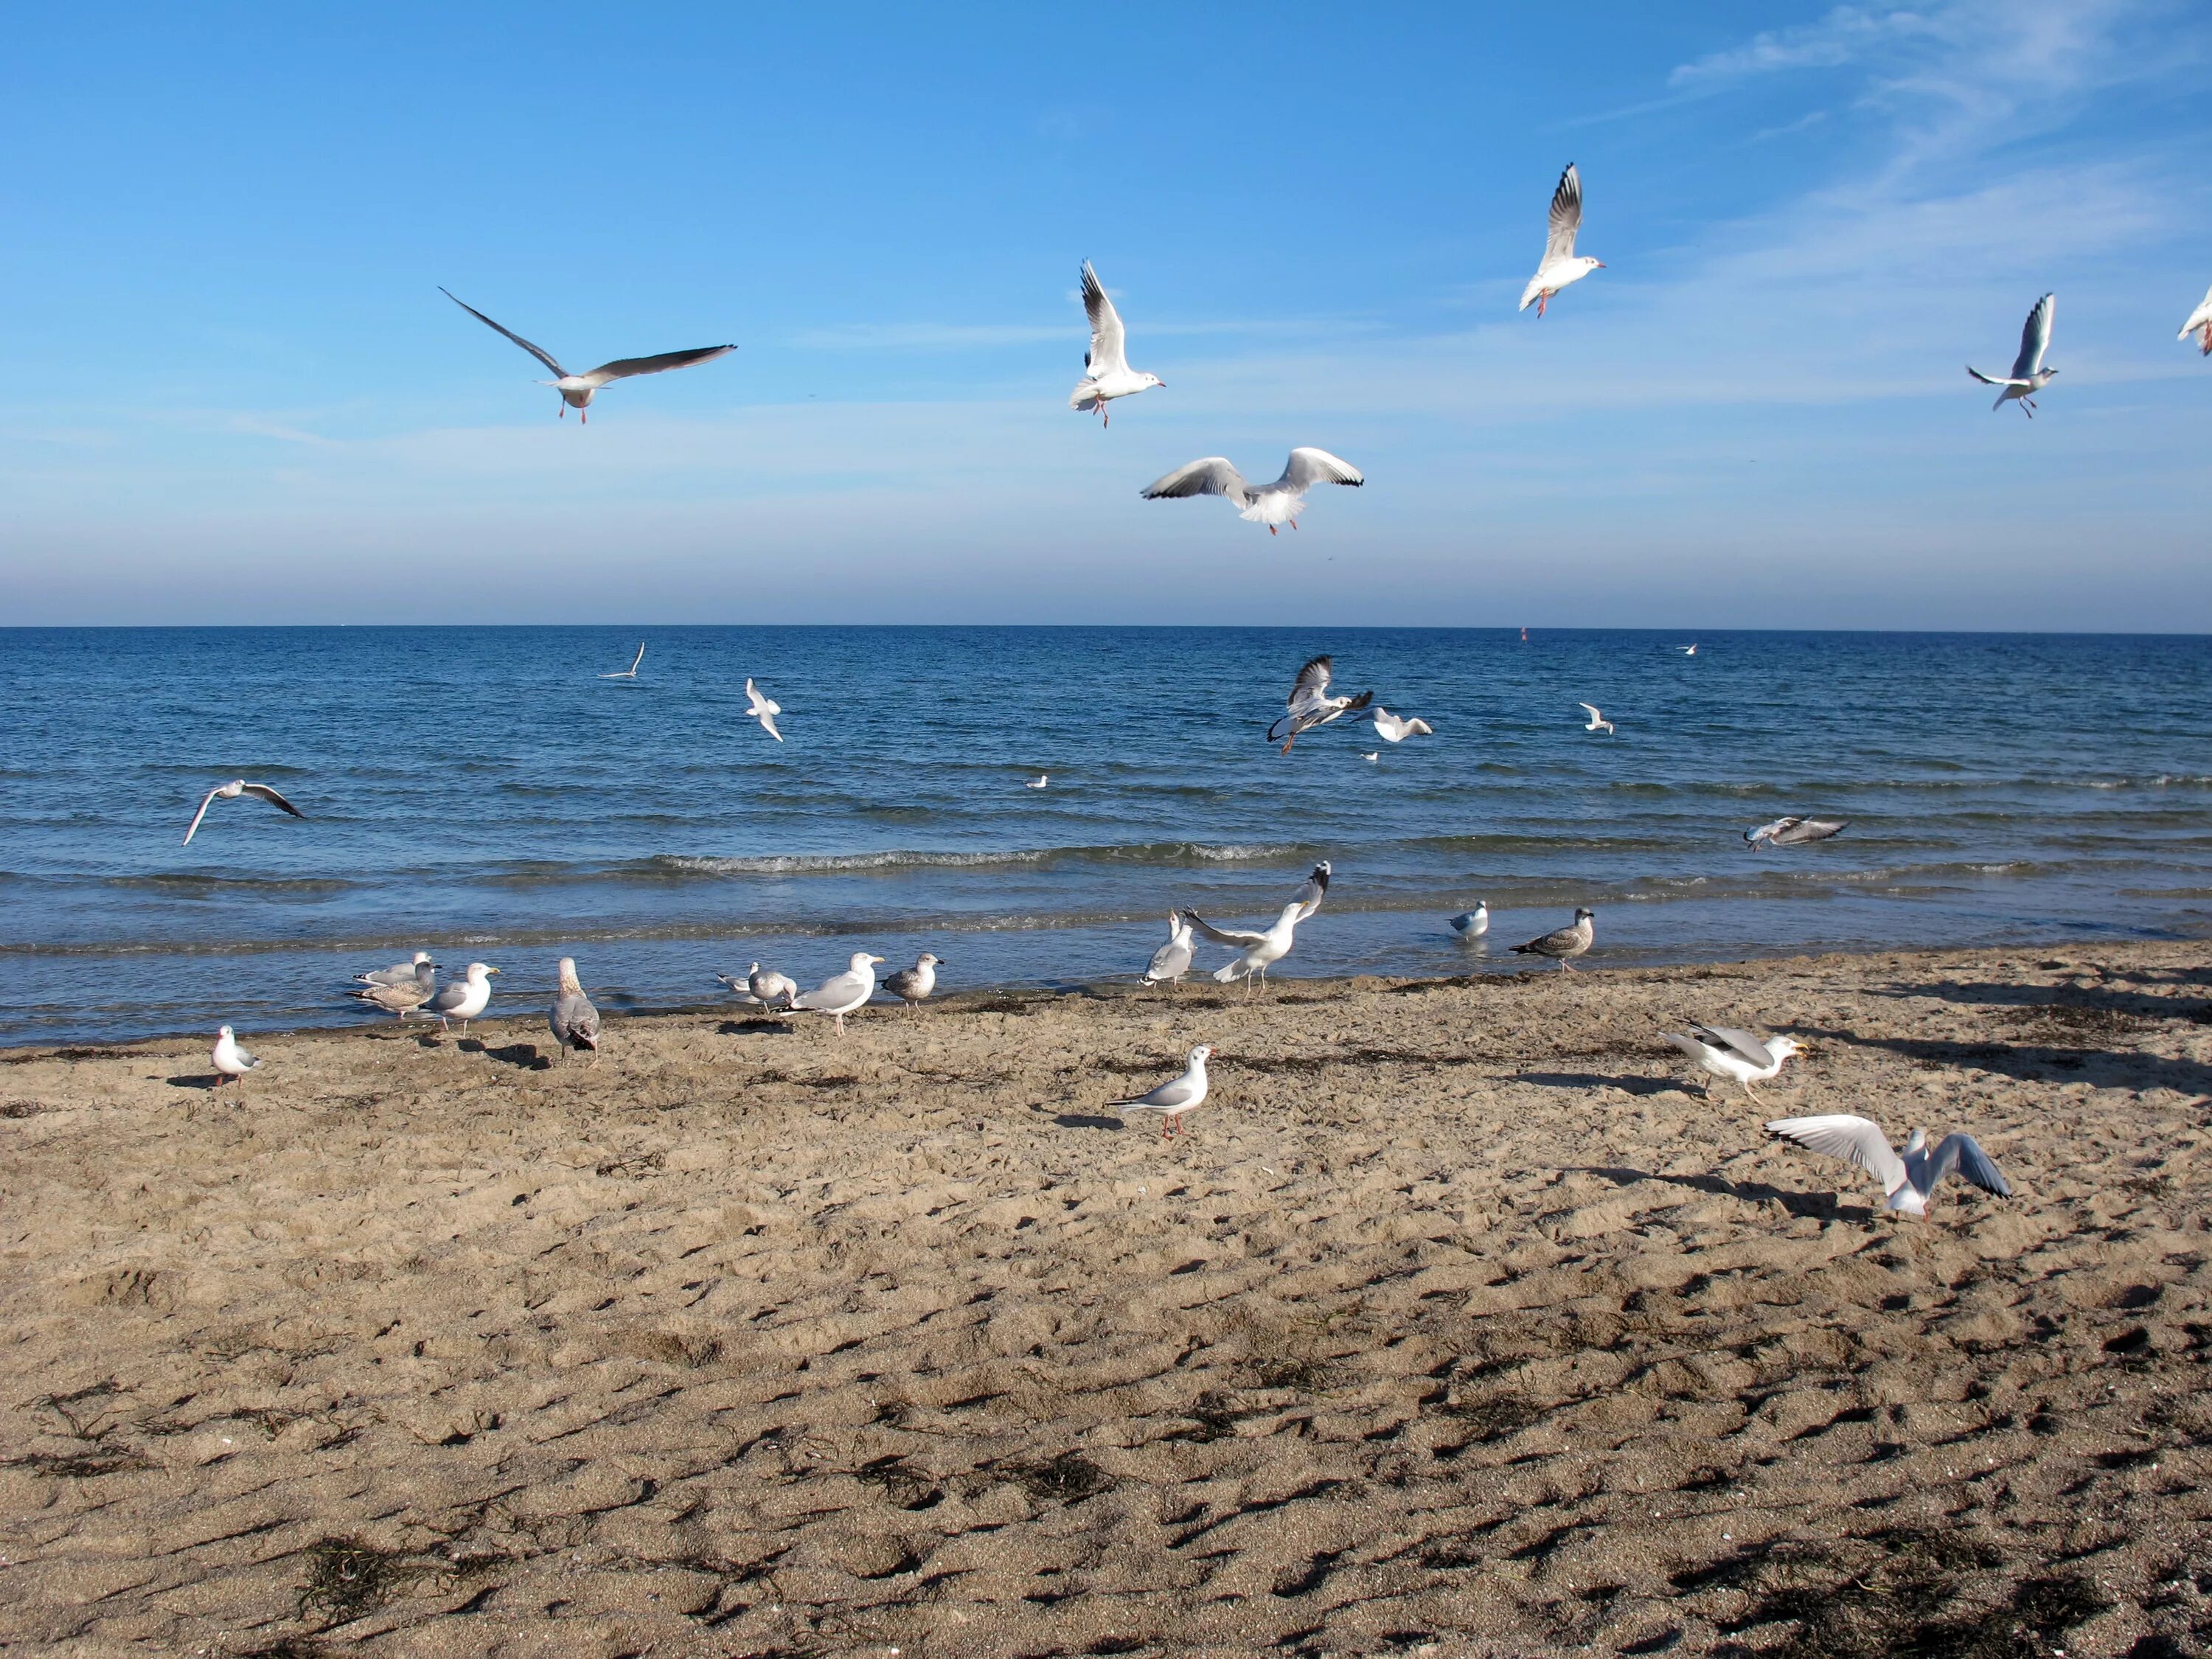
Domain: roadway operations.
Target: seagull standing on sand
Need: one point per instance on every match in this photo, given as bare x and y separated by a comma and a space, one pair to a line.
232, 791
1793, 831
1472, 924
409, 993
2028, 374
1597, 722
1566, 943
2200, 324
463, 1001
842, 994
1261, 950
1172, 960
913, 986
1908, 1179
630, 672
1270, 504
576, 390
1108, 374
234, 1063
759, 706
1740, 1056
400, 973
1561, 267
1172, 1099
1310, 705
1391, 729
576, 1023
766, 987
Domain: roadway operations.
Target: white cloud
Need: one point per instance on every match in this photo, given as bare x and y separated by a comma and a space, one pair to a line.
1846, 33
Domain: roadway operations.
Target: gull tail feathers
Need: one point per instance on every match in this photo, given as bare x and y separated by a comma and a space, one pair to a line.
1224, 975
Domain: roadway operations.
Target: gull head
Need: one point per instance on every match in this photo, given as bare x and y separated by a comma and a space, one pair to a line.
930, 959
1783, 1047
1199, 1055
1589, 265
1154, 379
1585, 914
223, 1031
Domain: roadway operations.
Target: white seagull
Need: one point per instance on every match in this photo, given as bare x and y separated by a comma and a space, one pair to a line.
2200, 324
576, 1023
841, 994
1794, 831
630, 672
1312, 891
1310, 705
760, 706
1908, 1178
400, 973
1108, 374
1740, 1056
232, 791
576, 390
764, 985
230, 1060
913, 986
464, 1001
1261, 950
1472, 924
1371, 755
2028, 374
1561, 267
1172, 960
1270, 504
1597, 722
1391, 729
1688, 650
1039, 781
1172, 1099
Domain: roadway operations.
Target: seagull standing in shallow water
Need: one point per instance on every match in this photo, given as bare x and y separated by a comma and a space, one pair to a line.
2028, 374
1270, 504
1108, 374
1565, 942
400, 973
1908, 1178
232, 791
1561, 265
1173, 1098
1472, 924
577, 390
1740, 1056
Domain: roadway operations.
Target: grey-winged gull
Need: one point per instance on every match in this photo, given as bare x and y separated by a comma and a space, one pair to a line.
1794, 831
1908, 1178
1270, 504
1107, 374
841, 993
1311, 704
1565, 943
400, 973
1172, 960
232, 791
576, 1023
464, 1000
913, 986
1261, 950
230, 1060
1561, 265
2028, 374
1177, 1096
577, 390
1725, 1051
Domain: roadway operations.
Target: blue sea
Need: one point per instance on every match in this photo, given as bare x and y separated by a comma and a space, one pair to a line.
483, 793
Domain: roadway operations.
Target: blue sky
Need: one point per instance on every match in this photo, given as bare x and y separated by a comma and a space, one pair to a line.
235, 393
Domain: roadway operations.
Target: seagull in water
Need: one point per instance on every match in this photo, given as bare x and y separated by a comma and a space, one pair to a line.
2028, 374
1597, 722
913, 986
463, 1001
1108, 376
1794, 831
1740, 1056
1172, 960
1566, 942
1472, 924
841, 994
232, 791
1039, 781
1270, 504
1561, 265
630, 672
400, 973
576, 1023
1172, 1099
1908, 1178
2200, 324
1371, 755
1391, 729
234, 1063
1310, 705
760, 706
576, 390
1261, 950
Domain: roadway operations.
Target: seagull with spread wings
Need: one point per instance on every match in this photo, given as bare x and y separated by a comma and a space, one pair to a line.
2200, 324
1909, 1177
1391, 729
630, 672
1270, 504
1794, 831
232, 791
1108, 374
1311, 706
761, 706
1313, 891
2028, 374
1597, 722
1261, 950
1561, 264
576, 390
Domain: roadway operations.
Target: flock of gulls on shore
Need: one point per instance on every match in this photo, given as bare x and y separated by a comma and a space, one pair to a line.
410, 990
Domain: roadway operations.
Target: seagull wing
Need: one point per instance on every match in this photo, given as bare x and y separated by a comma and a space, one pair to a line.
1243, 938
2035, 339
1176, 1092
1312, 893
1748, 1044
1797, 831
832, 994
1591, 709
1987, 380
1963, 1155
206, 801
623, 367
275, 800
1566, 216
1853, 1138
575, 1018
1211, 476
638, 659
1307, 467
538, 352
1107, 347
1311, 684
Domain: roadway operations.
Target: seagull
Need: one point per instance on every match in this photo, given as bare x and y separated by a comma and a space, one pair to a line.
1561, 267
764, 986
1172, 960
1793, 831
1172, 1099
576, 390
464, 1001
1310, 705
1391, 729
1909, 1178
232, 791
1109, 375
2200, 324
410, 993
630, 672
1727, 1052
2028, 374
400, 973
1472, 924
1688, 650
234, 1063
1566, 942
761, 707
1312, 891
843, 993
1597, 722
1260, 950
1270, 504
1371, 755
1039, 781
576, 1023
913, 985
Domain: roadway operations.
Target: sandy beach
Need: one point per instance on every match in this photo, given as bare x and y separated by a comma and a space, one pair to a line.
1458, 1321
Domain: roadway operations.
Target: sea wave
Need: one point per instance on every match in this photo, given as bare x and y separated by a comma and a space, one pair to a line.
689, 866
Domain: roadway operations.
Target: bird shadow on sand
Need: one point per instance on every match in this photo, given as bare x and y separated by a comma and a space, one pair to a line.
524, 1055
2120, 997
754, 1027
1633, 1085
1821, 1206
1083, 1120
207, 1081
2042, 1062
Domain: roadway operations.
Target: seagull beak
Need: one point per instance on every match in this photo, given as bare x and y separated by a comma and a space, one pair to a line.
491, 971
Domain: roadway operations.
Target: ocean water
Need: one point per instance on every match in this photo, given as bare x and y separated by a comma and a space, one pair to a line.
480, 794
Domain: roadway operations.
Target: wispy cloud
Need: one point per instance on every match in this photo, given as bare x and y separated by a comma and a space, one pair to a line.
1844, 34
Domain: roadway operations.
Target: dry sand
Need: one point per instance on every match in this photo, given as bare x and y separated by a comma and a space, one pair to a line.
1458, 1322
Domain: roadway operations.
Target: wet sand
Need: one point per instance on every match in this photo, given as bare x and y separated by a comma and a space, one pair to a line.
1459, 1321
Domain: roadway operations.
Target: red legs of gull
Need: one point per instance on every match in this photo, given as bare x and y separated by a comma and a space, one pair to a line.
1542, 299
1271, 530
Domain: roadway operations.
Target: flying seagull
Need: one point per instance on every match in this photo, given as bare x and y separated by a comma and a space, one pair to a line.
841, 993
1794, 831
1909, 1178
760, 706
2028, 374
630, 672
1108, 376
1270, 504
1312, 891
1688, 650
1597, 722
2200, 324
400, 973
1261, 950
576, 1023
1172, 960
913, 986
1310, 705
463, 1000
1391, 729
1472, 924
232, 791
576, 390
1742, 1056
1561, 267
1172, 1099
1566, 942
234, 1063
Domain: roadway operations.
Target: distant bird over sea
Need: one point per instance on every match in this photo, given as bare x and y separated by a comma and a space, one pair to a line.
577, 390
1270, 504
1173, 1098
1172, 960
1107, 373
400, 973
630, 672
1472, 924
1391, 729
1793, 831
233, 1062
464, 1001
1908, 1179
1261, 950
1597, 722
1743, 1057
841, 994
2200, 324
1688, 650
1561, 265
232, 791
1311, 706
2028, 374
576, 1023
760, 706
913, 986
1566, 943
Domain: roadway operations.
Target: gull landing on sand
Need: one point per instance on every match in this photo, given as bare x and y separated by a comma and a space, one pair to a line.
1909, 1178
576, 1023
2028, 374
2200, 324
1261, 950
1270, 504
1108, 374
577, 390
232, 791
1561, 267
1172, 1099
838, 995
761, 707
1310, 705
1740, 1056
1566, 942
1597, 722
1794, 831
630, 672
1172, 960
233, 1062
